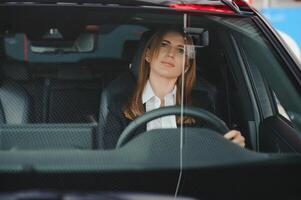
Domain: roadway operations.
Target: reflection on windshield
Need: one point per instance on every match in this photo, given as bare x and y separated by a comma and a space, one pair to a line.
170, 66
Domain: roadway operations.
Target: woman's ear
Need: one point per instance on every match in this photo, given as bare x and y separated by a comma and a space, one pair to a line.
148, 55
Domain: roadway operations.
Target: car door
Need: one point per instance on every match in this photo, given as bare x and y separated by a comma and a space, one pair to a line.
275, 82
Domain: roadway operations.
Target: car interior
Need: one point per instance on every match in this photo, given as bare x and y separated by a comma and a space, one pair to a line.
59, 76
70, 92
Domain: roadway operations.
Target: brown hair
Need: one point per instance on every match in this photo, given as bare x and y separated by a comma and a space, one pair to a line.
134, 108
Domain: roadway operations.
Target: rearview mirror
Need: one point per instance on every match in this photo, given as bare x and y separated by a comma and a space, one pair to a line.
199, 35
84, 43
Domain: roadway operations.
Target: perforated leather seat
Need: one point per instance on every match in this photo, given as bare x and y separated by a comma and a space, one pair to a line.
14, 100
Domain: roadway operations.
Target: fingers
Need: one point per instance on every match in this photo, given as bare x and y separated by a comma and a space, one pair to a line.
236, 137
231, 134
240, 141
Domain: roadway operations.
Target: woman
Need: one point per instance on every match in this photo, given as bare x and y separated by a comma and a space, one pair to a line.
159, 84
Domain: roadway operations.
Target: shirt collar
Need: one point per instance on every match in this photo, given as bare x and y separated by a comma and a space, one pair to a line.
148, 92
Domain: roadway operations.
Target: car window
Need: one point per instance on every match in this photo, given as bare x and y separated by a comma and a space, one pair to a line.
281, 109
260, 54
81, 88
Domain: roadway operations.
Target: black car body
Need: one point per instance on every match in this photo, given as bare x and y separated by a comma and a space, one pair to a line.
58, 58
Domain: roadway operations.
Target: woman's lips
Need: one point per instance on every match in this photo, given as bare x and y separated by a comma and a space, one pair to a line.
167, 64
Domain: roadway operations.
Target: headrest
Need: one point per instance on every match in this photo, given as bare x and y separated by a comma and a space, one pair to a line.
74, 73
129, 49
17, 71
139, 51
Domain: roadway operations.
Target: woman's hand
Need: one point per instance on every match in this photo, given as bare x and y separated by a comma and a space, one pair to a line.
236, 137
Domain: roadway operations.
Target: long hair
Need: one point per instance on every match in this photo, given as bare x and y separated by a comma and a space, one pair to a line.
134, 108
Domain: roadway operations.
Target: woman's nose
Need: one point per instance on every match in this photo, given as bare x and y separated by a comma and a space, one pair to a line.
171, 52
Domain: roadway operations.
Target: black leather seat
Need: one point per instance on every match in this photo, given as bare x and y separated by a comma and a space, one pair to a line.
14, 100
73, 96
123, 86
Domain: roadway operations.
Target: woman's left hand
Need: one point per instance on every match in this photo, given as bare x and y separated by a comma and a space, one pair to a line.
236, 137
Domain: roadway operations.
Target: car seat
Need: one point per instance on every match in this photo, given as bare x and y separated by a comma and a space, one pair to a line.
14, 100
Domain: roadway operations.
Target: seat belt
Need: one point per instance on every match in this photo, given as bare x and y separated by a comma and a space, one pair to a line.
225, 76
2, 115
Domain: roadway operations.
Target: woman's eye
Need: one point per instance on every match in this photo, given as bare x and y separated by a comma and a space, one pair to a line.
164, 44
181, 51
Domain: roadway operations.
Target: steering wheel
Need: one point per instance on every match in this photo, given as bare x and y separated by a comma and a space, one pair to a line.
215, 123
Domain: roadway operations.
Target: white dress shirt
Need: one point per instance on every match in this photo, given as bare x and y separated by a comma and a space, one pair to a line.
152, 102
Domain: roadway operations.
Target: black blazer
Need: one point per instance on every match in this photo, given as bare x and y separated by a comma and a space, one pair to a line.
115, 122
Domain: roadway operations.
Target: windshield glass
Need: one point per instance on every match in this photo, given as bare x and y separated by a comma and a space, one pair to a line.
142, 90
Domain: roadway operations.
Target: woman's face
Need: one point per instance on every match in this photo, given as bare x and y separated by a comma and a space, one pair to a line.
170, 59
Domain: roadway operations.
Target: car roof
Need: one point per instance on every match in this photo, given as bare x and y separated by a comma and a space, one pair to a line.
235, 5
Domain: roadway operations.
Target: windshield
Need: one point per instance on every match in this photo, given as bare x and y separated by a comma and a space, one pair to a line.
140, 90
